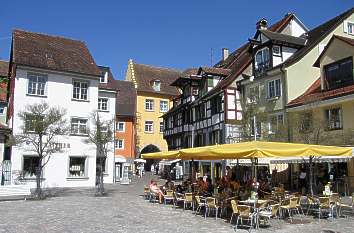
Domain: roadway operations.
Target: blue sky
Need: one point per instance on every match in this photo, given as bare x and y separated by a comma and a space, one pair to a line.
177, 34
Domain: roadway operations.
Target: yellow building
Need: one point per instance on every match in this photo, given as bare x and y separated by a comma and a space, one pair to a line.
325, 112
154, 98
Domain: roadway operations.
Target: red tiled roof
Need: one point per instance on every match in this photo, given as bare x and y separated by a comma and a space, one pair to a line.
4, 69
215, 71
240, 59
314, 93
145, 75
52, 52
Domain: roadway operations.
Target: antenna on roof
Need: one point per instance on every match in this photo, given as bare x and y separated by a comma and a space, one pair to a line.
211, 57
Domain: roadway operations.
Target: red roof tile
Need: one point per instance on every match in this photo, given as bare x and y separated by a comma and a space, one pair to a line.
314, 93
215, 71
53, 53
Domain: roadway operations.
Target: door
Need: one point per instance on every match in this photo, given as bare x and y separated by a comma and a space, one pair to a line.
118, 174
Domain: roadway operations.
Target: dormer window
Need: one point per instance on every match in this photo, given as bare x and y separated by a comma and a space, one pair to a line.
339, 74
156, 85
262, 60
276, 50
104, 78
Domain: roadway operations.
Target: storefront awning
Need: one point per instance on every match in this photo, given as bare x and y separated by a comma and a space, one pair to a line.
323, 159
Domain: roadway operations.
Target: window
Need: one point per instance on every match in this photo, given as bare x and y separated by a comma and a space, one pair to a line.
253, 94
149, 105
163, 106
276, 50
30, 164
36, 84
256, 127
339, 74
262, 59
2, 109
103, 104
161, 127
77, 166
120, 126
104, 78
305, 122
33, 123
149, 126
275, 122
119, 143
349, 27
195, 90
274, 89
80, 90
79, 126
156, 85
334, 118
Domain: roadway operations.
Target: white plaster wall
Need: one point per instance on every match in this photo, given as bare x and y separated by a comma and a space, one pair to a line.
59, 93
287, 52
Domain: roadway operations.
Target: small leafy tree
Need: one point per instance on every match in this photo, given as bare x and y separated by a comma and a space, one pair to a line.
41, 127
102, 136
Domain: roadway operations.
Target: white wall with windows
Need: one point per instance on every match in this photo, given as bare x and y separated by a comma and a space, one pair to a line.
79, 95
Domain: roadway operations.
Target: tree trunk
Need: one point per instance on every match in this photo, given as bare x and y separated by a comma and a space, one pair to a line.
38, 192
101, 179
311, 175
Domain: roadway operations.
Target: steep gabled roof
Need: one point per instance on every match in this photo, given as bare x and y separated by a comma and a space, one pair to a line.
144, 76
346, 40
274, 36
317, 34
52, 52
215, 71
126, 98
240, 59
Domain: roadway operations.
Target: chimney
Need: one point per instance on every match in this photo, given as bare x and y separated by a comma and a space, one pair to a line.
262, 24
225, 53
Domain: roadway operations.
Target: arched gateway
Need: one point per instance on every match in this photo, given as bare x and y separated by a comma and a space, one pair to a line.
149, 149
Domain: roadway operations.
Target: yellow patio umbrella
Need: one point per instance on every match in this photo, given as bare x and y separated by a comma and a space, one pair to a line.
161, 155
257, 149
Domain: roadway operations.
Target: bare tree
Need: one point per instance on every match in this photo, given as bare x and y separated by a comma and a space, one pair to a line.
102, 135
41, 126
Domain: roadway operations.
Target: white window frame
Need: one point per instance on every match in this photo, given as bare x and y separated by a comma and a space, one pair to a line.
347, 26
276, 54
79, 124
23, 166
250, 98
149, 105
156, 85
76, 168
329, 118
80, 90
263, 56
117, 126
36, 84
279, 121
104, 78
277, 93
100, 104
161, 107
119, 147
149, 124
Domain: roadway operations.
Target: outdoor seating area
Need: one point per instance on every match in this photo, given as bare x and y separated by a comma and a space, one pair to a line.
249, 212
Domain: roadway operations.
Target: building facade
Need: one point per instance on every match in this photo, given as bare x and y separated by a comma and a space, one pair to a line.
60, 72
154, 98
328, 105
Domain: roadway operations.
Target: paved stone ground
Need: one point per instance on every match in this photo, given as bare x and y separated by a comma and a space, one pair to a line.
125, 210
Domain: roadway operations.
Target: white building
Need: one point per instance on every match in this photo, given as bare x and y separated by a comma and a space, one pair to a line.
61, 72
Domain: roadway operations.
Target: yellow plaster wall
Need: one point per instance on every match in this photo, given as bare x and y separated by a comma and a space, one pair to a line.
155, 138
303, 72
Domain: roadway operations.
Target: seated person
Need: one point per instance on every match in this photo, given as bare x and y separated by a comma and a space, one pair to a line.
156, 190
169, 185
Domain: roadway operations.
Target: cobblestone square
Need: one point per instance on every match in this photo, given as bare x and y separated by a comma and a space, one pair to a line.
125, 210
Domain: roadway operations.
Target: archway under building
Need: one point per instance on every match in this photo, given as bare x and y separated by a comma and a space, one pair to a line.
149, 149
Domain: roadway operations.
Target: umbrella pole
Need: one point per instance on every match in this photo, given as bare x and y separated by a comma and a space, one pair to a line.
193, 175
